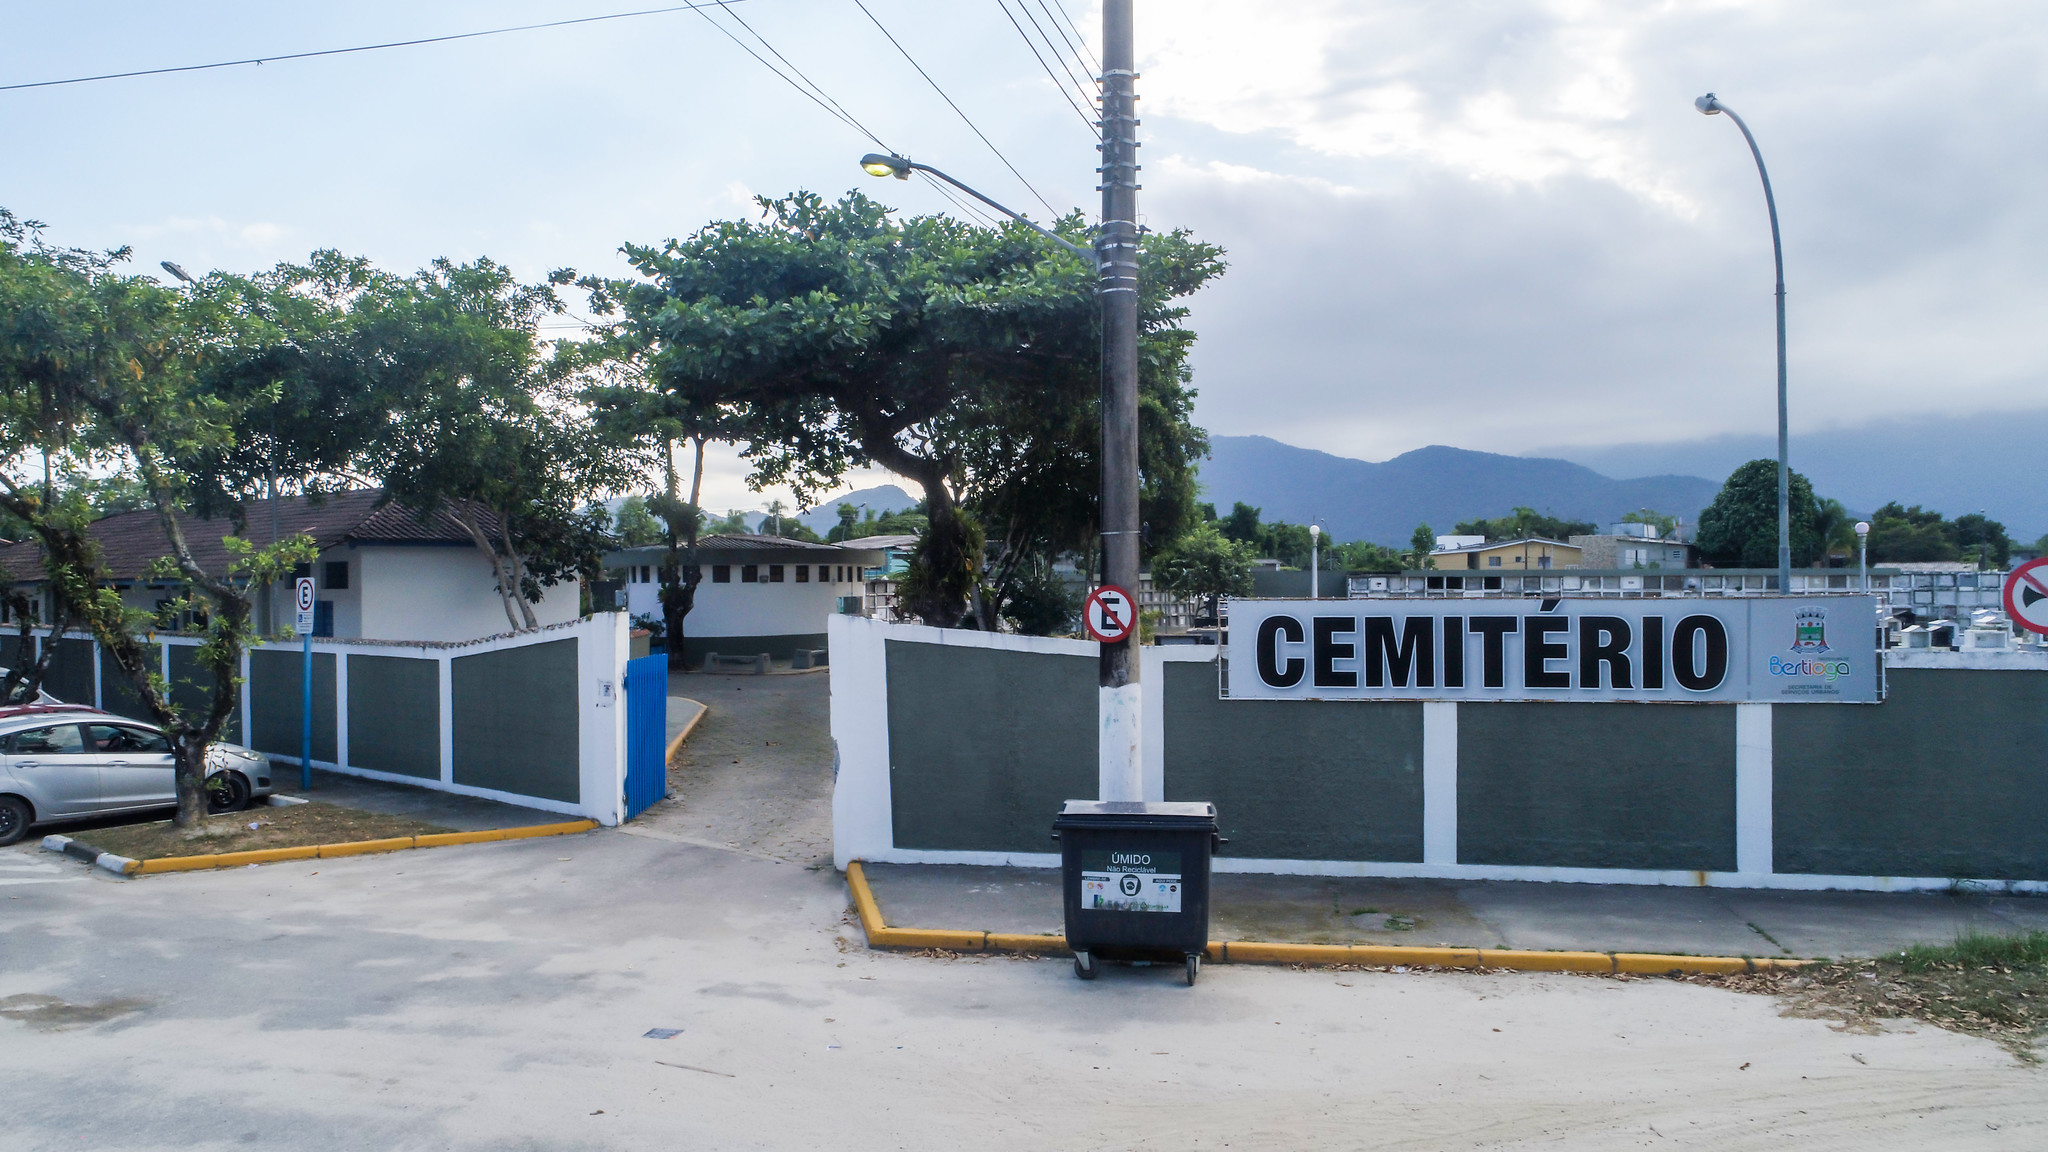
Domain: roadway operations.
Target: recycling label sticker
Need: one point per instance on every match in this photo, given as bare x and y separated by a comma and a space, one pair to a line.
1114, 881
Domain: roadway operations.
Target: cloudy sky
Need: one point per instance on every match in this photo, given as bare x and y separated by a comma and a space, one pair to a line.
1498, 226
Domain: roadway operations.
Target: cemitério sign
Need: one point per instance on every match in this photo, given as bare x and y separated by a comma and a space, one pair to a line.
1781, 650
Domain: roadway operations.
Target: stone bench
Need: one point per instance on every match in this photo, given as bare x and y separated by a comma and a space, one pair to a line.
808, 658
716, 662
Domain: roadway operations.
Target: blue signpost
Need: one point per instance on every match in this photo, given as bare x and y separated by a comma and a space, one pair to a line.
305, 626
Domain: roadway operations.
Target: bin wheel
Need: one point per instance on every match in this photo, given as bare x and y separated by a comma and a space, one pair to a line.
1084, 966
1194, 967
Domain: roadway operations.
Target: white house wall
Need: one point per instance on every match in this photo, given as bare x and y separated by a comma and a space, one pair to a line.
440, 593
763, 609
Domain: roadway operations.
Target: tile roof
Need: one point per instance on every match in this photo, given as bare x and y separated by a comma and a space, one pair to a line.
131, 541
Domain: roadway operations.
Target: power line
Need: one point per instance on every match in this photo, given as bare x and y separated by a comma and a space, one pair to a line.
363, 47
726, 7
818, 98
1042, 64
1082, 53
956, 108
965, 206
1083, 89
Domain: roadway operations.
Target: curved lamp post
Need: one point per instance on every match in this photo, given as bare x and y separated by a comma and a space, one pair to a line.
877, 164
1710, 105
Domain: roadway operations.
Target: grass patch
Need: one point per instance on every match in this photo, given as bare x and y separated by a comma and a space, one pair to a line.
293, 827
1983, 985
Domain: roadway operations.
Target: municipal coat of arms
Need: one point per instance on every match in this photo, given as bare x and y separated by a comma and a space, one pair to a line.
1810, 630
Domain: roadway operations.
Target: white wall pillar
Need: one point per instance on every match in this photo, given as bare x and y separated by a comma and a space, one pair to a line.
863, 821
1753, 786
1439, 782
341, 707
447, 689
1120, 717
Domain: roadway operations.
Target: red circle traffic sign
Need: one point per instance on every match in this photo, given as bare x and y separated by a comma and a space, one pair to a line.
2026, 596
1110, 614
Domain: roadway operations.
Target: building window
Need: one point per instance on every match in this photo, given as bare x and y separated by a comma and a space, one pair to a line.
750, 573
1472, 560
1543, 561
803, 573
336, 576
1493, 561
721, 573
775, 573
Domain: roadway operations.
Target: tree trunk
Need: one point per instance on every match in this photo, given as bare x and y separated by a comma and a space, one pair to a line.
507, 591
681, 574
516, 564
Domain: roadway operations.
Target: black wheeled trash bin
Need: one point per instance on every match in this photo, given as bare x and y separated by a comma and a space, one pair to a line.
1136, 880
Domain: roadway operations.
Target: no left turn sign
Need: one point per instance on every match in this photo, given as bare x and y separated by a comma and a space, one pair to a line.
1109, 614
2026, 596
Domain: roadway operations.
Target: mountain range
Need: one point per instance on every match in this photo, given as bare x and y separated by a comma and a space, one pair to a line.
1384, 501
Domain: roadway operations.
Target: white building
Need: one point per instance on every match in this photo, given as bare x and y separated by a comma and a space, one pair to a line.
383, 573
758, 593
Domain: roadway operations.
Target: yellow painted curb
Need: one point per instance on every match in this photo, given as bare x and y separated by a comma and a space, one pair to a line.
880, 935
675, 745
352, 848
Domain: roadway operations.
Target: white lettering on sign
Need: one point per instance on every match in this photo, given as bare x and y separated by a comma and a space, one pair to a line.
1764, 649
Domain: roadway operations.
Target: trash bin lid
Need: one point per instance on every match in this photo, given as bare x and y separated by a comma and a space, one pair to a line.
1136, 813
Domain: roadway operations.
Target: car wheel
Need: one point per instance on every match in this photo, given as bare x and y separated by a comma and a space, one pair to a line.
14, 819
226, 792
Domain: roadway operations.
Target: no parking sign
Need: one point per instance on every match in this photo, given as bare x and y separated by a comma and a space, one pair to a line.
1109, 614
2026, 596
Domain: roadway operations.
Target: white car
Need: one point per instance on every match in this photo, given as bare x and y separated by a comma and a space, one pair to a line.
68, 761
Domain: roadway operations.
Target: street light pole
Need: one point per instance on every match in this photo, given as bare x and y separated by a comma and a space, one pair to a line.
1863, 555
1315, 564
1709, 105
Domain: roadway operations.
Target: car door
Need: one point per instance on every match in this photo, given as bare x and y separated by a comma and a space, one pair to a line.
135, 766
53, 766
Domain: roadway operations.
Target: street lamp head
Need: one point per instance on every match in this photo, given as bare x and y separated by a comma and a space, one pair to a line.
1862, 528
1315, 529
180, 273
1707, 105
876, 164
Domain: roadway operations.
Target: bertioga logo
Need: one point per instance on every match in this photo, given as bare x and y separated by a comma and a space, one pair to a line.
1810, 630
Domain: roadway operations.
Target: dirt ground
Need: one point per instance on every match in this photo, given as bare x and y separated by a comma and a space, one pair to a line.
291, 827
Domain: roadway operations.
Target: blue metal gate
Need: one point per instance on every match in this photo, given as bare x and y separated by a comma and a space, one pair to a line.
646, 732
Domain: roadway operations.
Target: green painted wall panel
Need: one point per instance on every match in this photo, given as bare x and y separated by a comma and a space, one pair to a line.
1947, 777
985, 745
69, 676
275, 696
777, 647
1297, 780
515, 720
192, 691
117, 692
394, 715
1598, 785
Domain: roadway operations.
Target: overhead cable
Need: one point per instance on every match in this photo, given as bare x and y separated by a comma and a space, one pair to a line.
364, 47
1088, 92
956, 108
1084, 53
1028, 43
818, 97
726, 7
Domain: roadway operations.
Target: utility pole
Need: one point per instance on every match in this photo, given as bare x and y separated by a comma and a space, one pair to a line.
1121, 766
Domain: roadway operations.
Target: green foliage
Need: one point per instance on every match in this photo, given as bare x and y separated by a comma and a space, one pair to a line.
634, 525
734, 524
1664, 524
1421, 543
1205, 562
1916, 534
1522, 524
1365, 556
1835, 528
1740, 528
1040, 603
963, 358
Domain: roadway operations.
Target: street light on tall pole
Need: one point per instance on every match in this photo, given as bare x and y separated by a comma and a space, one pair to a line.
1120, 773
1710, 105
